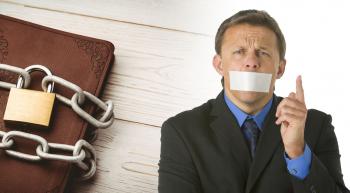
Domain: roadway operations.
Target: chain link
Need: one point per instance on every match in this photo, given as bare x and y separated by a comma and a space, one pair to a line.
6, 144
50, 78
81, 152
107, 107
23, 73
8, 136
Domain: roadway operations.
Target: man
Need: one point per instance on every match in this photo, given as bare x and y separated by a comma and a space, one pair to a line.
248, 139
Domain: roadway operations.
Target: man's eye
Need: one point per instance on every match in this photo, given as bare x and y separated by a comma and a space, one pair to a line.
262, 53
240, 51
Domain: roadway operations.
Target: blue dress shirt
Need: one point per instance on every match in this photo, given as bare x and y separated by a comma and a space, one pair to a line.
298, 167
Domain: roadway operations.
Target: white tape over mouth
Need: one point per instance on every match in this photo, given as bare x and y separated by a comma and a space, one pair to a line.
250, 81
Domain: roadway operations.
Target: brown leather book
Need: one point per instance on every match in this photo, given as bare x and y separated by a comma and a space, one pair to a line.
82, 60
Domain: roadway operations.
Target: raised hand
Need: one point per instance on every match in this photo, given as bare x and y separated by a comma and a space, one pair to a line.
292, 113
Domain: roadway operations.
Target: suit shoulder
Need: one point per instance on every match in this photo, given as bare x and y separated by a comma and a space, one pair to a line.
316, 123
317, 114
197, 115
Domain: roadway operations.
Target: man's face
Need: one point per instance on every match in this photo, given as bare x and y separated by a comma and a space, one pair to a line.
253, 49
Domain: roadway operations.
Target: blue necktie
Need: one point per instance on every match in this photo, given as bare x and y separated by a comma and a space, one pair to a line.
251, 133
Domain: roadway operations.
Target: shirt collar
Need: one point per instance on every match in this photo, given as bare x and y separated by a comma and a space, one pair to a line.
241, 116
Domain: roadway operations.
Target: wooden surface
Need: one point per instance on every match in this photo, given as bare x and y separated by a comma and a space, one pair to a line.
162, 67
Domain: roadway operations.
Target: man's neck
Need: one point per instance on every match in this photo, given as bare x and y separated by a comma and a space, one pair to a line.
250, 108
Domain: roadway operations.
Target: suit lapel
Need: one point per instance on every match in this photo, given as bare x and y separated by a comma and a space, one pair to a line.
269, 140
225, 126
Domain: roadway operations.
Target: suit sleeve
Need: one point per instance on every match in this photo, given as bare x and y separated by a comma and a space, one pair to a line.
325, 174
177, 173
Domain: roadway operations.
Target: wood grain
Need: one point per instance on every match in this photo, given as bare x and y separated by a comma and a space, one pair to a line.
166, 14
128, 155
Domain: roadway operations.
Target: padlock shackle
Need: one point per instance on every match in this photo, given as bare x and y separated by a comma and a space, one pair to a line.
32, 68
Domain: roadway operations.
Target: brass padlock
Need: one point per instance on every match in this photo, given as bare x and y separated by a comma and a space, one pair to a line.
30, 108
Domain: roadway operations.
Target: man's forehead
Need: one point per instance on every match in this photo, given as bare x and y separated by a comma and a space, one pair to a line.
248, 33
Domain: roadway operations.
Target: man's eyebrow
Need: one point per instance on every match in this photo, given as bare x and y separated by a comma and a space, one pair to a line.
264, 48
238, 46
235, 46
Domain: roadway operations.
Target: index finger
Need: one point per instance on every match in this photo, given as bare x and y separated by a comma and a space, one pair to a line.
299, 89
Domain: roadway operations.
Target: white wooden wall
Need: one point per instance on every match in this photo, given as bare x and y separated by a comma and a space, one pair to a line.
163, 66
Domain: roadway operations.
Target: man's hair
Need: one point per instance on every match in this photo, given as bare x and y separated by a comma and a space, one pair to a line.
255, 18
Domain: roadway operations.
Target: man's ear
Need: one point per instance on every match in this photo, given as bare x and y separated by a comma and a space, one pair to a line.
217, 64
281, 68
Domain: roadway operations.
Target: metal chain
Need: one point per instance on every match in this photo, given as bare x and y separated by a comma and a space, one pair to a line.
80, 153
75, 102
79, 98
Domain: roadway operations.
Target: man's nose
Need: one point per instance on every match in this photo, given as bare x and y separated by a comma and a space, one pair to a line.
252, 62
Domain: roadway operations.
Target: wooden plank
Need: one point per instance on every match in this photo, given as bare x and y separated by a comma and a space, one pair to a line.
170, 14
157, 72
128, 156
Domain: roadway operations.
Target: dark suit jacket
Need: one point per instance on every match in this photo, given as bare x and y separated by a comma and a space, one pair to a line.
203, 151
